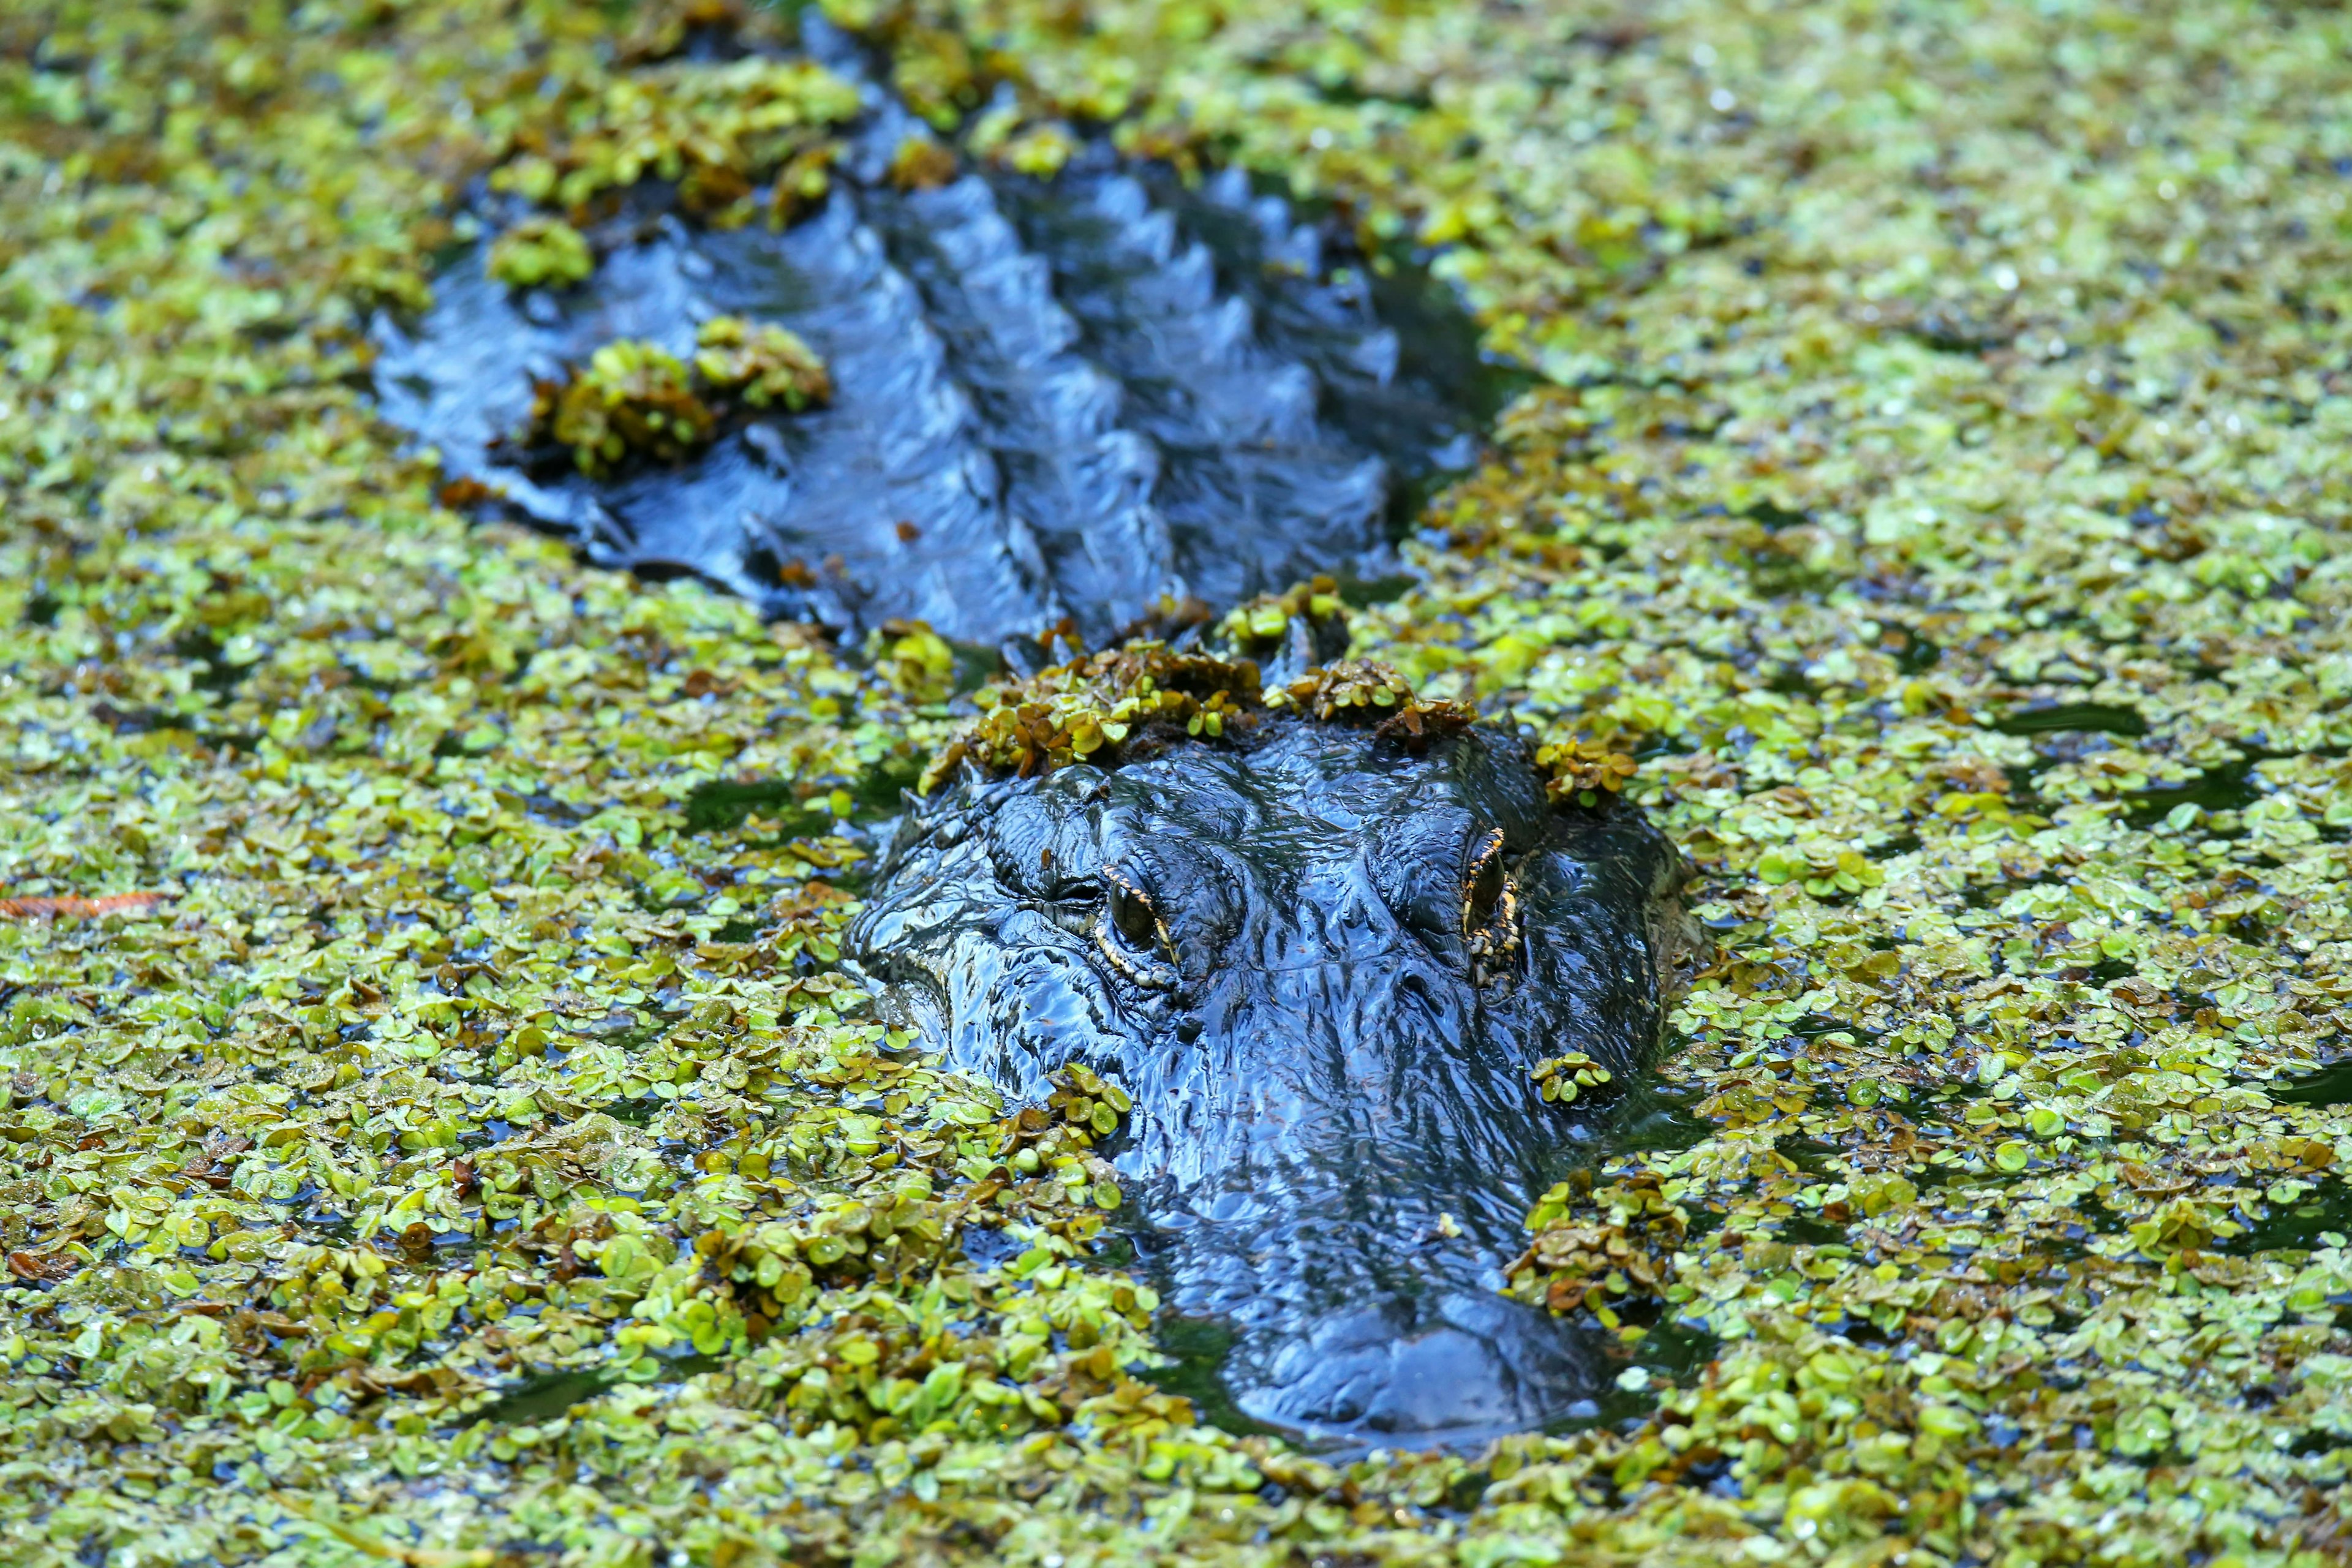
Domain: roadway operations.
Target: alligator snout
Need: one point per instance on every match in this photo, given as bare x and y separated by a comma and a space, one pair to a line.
1348, 1196
1323, 967
1463, 1366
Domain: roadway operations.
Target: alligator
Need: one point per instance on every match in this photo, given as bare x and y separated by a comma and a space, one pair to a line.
1054, 398
1324, 959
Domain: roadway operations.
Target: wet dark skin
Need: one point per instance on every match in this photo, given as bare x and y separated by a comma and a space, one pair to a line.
1322, 964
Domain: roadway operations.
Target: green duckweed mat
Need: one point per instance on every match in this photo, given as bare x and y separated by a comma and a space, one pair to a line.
1936, 475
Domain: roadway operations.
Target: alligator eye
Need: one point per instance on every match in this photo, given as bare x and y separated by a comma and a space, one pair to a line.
1131, 912
1130, 935
1490, 906
1483, 884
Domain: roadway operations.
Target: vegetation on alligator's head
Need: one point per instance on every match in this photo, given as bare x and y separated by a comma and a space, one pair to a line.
1092, 708
1123, 703
1358, 691
1260, 627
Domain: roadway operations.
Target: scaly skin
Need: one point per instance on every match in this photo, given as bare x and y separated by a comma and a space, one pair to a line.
1265, 941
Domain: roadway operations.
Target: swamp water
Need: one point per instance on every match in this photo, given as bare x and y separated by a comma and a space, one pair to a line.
1078, 398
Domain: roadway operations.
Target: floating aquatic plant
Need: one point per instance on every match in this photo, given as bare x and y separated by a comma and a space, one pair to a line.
539, 251
632, 399
714, 129
1087, 709
758, 364
1838, 457
636, 401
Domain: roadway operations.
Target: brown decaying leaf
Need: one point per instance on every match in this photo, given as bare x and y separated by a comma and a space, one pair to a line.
71, 907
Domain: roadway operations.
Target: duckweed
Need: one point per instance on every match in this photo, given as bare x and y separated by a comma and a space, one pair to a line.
760, 363
633, 401
541, 251
471, 1160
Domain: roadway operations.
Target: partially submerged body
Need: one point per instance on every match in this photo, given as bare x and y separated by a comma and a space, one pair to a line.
1044, 398
1324, 959
1003, 404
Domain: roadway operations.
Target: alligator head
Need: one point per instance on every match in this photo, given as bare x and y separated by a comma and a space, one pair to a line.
1323, 961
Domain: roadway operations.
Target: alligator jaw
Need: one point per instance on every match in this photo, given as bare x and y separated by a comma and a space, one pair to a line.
1452, 1371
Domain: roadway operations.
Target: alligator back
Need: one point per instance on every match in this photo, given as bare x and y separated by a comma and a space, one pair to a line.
1050, 397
